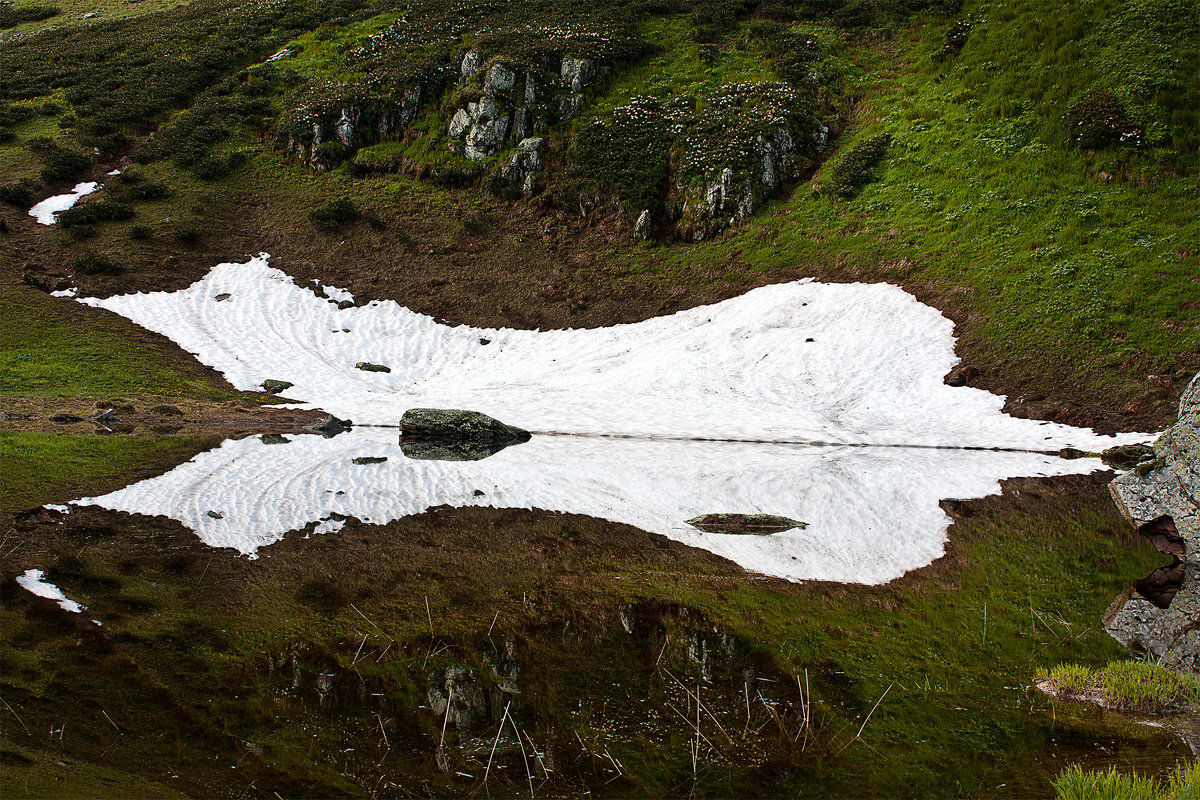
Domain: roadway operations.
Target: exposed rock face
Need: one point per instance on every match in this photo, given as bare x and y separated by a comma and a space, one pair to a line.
641, 228
449, 425
1163, 502
524, 164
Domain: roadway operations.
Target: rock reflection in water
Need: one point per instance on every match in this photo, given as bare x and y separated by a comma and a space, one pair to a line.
872, 512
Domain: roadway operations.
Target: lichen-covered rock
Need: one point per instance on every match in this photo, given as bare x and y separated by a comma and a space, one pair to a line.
641, 228
330, 426
456, 425
271, 386
1127, 456
1163, 502
472, 62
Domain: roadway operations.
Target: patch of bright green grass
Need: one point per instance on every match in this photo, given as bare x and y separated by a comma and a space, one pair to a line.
49, 467
47, 349
1130, 685
1077, 783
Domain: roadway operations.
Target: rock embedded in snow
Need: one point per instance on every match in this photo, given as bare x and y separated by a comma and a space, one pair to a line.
455, 425
330, 426
272, 386
367, 366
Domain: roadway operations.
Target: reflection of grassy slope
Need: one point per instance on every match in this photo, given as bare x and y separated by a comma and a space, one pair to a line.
70, 12
46, 467
959, 710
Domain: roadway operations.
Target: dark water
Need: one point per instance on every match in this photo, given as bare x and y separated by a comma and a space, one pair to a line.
513, 652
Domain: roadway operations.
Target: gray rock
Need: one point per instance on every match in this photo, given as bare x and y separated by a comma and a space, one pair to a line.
343, 129
472, 62
1163, 502
641, 228
578, 73
274, 438
459, 124
454, 425
422, 450
499, 79
367, 366
271, 386
526, 161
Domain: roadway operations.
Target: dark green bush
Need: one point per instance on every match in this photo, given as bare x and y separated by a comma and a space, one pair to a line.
146, 191
955, 40
334, 214
61, 164
1100, 120
453, 178
11, 17
49, 109
186, 234
17, 194
92, 263
6, 134
97, 211
140, 232
854, 169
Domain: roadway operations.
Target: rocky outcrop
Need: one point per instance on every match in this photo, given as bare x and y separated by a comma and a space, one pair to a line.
1161, 498
523, 166
451, 425
457, 697
513, 104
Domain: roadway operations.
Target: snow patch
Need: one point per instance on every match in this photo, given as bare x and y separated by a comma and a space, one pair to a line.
59, 508
794, 362
873, 513
70, 291
46, 212
31, 580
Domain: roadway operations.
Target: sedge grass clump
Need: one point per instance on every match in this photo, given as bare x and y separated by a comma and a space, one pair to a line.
1076, 783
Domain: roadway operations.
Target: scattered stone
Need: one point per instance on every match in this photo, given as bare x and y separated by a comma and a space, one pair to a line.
344, 304
216, 515
961, 375
1127, 456
364, 460
166, 410
272, 386
367, 366
754, 524
485, 341
222, 297
274, 438
330, 426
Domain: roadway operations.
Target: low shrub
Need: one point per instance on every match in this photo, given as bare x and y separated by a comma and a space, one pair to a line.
186, 234
92, 263
954, 41
98, 211
61, 164
147, 191
854, 169
1100, 120
18, 194
11, 17
334, 214
140, 232
6, 134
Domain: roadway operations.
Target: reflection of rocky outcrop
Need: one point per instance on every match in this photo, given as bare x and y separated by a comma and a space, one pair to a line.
1161, 615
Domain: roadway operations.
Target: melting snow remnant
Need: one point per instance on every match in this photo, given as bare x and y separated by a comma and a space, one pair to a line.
46, 212
794, 362
873, 512
31, 579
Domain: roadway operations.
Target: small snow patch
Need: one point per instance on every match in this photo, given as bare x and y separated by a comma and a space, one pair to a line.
46, 212
31, 580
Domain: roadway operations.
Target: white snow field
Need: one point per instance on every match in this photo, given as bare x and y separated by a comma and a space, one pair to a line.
818, 402
31, 580
872, 512
794, 362
46, 212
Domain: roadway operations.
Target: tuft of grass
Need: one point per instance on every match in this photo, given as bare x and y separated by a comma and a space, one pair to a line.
1129, 686
1077, 783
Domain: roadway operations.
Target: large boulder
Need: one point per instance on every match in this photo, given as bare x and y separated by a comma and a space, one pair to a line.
1161, 498
451, 425
525, 163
